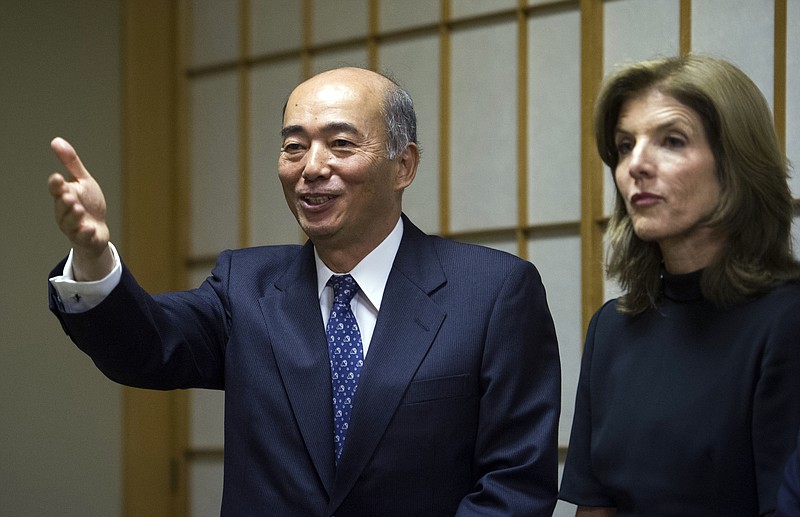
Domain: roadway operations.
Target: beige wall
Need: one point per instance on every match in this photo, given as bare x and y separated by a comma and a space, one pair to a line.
60, 430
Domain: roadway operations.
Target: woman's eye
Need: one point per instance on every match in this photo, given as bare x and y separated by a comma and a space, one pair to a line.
675, 142
624, 147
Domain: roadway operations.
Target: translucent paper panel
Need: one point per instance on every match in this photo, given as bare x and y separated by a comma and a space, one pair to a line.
796, 236
611, 289
402, 14
206, 417
741, 31
214, 31
563, 508
214, 165
558, 259
205, 487
355, 56
340, 20
198, 274
275, 25
554, 167
483, 127
466, 8
793, 92
271, 222
635, 30
509, 245
420, 77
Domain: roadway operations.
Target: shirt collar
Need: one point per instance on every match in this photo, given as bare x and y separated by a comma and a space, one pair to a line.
372, 272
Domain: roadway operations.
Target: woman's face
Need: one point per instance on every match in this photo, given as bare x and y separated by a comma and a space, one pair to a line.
666, 173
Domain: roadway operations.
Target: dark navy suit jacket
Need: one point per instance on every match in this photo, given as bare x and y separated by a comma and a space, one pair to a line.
458, 404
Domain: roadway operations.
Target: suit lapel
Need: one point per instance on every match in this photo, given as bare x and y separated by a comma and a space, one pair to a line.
294, 323
407, 324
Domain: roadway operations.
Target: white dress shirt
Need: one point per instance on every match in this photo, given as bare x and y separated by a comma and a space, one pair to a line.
371, 275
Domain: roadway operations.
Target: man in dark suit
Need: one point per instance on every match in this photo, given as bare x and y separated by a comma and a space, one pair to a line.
438, 392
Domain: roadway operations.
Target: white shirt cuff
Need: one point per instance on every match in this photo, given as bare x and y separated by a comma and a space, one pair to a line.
81, 296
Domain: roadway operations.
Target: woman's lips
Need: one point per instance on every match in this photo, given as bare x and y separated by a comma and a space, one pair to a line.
645, 199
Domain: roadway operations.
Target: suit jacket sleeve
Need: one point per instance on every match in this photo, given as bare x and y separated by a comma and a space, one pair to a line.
168, 341
517, 443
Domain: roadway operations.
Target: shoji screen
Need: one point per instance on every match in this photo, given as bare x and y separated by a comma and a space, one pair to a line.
502, 91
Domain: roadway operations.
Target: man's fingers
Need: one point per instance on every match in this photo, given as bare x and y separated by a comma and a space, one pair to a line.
55, 184
66, 153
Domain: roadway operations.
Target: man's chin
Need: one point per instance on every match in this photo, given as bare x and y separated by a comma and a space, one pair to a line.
318, 233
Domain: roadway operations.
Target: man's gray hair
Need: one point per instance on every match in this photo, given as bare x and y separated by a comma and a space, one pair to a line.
401, 120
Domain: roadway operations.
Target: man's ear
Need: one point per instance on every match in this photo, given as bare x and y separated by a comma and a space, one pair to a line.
407, 161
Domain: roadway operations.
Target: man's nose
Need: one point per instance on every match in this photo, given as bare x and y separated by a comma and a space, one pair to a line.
317, 162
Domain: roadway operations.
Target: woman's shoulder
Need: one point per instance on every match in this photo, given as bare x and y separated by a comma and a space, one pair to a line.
785, 296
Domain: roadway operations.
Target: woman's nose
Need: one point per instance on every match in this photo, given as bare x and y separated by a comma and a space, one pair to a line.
640, 162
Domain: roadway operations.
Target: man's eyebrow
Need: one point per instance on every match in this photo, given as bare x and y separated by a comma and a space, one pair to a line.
291, 130
331, 127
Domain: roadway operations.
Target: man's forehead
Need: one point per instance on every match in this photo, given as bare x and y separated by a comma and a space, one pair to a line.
342, 85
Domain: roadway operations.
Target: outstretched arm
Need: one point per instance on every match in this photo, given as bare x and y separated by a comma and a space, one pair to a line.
80, 212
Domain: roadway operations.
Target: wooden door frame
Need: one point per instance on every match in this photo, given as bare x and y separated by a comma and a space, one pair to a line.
154, 423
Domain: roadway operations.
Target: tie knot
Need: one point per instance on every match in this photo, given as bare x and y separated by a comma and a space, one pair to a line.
344, 288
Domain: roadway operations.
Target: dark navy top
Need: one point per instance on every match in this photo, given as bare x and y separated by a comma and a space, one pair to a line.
687, 409
789, 492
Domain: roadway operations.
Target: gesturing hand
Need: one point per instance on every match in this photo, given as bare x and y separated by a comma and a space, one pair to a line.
80, 211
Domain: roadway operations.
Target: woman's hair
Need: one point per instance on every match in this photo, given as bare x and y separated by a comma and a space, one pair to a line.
754, 214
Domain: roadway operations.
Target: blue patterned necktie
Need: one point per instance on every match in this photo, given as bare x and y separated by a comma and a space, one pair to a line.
346, 354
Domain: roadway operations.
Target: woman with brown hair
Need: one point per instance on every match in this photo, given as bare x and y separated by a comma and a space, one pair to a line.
689, 396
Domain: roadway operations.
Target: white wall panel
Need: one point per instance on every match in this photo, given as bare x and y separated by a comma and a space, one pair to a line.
558, 259
205, 487
206, 417
197, 275
509, 245
414, 64
611, 288
554, 166
401, 14
214, 165
563, 508
467, 8
214, 31
741, 31
796, 236
793, 92
635, 30
354, 56
271, 221
275, 25
483, 119
337, 20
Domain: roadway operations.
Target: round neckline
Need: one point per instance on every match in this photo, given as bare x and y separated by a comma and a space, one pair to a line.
682, 287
